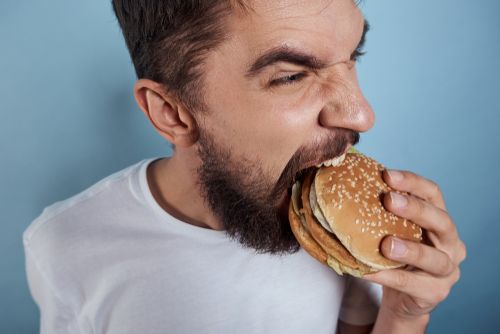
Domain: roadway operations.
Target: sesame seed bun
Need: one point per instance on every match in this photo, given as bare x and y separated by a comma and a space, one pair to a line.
347, 198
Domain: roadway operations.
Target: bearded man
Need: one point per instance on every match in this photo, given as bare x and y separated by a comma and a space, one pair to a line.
248, 92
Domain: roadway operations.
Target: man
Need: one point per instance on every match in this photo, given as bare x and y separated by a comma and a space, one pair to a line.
249, 93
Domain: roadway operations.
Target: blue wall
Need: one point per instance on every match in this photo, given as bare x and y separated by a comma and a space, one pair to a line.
432, 74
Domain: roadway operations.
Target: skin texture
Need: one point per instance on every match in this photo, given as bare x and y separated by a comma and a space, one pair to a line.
410, 296
267, 125
255, 134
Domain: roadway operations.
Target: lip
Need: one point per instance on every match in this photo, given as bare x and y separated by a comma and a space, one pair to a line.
284, 201
316, 162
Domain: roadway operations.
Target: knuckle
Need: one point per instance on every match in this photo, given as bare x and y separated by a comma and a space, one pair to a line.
409, 178
463, 251
446, 265
401, 280
406, 173
447, 227
453, 227
445, 293
418, 206
435, 189
456, 275
440, 295
417, 253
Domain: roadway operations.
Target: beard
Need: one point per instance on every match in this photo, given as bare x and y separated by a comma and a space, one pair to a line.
251, 206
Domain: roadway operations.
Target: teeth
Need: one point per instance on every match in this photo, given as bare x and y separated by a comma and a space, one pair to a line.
332, 162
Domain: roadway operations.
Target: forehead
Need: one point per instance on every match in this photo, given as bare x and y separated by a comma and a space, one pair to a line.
324, 27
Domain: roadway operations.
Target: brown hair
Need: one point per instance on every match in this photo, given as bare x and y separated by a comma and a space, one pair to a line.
169, 39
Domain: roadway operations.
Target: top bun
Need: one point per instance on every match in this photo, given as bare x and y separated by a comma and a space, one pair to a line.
349, 200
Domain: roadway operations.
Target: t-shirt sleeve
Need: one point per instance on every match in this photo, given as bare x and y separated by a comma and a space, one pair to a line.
360, 302
54, 315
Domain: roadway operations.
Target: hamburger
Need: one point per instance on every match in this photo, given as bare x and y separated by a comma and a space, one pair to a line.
337, 216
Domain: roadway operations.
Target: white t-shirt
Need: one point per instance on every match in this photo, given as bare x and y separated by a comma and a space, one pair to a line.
111, 260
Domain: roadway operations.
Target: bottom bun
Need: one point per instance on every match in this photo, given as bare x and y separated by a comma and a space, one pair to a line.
321, 245
304, 238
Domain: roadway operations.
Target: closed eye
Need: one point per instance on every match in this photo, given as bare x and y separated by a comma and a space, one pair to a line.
358, 53
288, 79
359, 49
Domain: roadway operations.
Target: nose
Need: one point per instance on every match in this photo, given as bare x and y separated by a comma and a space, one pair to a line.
345, 106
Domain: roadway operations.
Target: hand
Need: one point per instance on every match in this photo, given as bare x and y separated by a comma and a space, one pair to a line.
434, 264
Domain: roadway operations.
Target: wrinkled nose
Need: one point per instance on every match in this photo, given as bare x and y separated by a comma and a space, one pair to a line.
345, 106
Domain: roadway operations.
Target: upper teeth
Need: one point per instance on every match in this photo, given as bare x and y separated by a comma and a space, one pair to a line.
332, 162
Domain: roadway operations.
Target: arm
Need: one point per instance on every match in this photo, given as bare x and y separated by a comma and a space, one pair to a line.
360, 306
345, 328
387, 323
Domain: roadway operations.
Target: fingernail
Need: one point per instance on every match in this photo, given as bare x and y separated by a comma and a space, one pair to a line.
399, 201
398, 248
395, 175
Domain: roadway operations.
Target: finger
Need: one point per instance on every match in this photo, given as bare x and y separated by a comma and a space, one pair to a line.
416, 185
423, 214
462, 252
416, 284
426, 258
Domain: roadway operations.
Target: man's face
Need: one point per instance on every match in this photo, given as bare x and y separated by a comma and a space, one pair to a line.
282, 95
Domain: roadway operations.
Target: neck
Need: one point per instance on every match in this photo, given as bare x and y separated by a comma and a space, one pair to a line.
173, 183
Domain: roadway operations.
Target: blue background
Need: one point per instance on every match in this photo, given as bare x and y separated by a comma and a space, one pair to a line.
432, 74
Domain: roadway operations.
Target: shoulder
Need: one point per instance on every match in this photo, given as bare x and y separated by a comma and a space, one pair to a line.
65, 245
61, 224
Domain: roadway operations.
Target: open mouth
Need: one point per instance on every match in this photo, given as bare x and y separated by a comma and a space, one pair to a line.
309, 167
336, 161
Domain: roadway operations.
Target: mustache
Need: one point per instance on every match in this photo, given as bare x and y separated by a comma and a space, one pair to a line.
328, 147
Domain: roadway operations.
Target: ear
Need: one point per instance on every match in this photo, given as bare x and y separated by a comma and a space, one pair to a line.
170, 118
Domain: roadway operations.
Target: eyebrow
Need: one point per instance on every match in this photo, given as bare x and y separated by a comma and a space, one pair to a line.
290, 55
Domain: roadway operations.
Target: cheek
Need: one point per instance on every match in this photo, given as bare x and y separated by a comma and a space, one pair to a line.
287, 121
267, 127
256, 123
